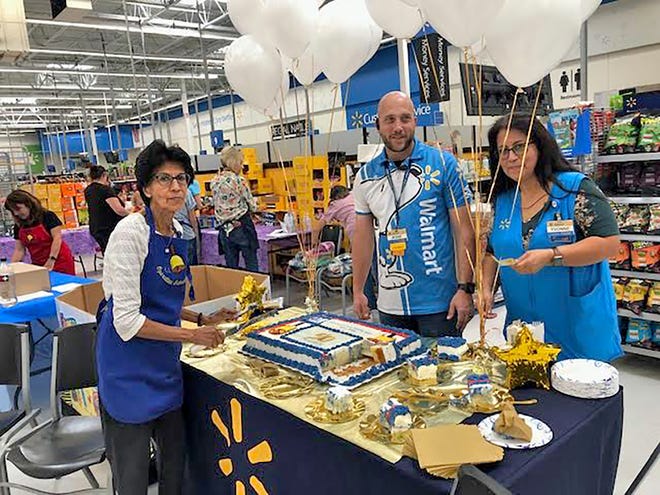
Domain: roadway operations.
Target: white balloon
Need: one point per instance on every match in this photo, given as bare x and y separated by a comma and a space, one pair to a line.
273, 110
462, 22
396, 17
588, 7
307, 67
253, 71
245, 15
374, 42
291, 24
346, 31
412, 3
479, 48
528, 39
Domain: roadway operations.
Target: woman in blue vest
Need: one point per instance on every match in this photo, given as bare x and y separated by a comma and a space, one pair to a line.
555, 238
139, 336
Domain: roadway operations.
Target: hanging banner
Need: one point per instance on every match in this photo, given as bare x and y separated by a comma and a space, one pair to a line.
433, 71
297, 128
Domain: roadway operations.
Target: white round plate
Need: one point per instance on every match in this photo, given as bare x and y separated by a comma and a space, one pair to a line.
585, 378
541, 433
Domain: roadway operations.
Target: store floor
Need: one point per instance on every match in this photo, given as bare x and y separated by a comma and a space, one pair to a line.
640, 377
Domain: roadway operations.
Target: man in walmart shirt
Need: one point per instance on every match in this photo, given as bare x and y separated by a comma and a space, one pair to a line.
414, 195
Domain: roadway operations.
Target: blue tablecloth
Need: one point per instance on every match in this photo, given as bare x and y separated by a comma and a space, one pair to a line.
43, 307
582, 458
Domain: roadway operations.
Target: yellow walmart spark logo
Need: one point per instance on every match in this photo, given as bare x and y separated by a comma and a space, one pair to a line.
430, 177
259, 454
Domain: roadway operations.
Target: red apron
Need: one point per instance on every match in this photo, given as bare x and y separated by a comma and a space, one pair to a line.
38, 241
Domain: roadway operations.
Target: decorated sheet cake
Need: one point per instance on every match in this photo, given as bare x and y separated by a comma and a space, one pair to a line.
334, 349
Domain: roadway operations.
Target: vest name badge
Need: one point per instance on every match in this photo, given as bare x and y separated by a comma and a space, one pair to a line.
561, 231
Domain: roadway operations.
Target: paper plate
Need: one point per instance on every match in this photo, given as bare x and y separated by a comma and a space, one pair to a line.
541, 433
585, 378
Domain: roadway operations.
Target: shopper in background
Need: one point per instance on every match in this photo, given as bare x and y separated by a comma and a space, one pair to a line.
40, 232
414, 193
196, 191
234, 204
140, 334
105, 207
558, 236
188, 219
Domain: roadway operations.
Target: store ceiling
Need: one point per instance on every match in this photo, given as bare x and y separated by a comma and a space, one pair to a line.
66, 61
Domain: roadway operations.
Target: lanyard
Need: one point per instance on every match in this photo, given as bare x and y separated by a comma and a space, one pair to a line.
397, 200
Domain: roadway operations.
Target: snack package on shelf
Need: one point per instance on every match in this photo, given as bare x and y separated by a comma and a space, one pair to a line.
620, 212
623, 135
645, 256
654, 219
638, 331
653, 300
655, 329
630, 176
619, 289
621, 261
636, 220
634, 297
649, 134
649, 179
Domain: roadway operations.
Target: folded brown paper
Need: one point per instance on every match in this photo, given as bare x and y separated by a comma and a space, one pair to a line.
510, 424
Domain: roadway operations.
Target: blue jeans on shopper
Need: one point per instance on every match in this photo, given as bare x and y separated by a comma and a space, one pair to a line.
241, 240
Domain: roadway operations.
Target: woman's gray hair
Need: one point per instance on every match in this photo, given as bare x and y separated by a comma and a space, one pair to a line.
229, 155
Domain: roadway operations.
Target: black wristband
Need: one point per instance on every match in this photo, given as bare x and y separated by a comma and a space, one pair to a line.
199, 319
468, 288
54, 258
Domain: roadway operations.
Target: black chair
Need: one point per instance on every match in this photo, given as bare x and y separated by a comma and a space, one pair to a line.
14, 371
333, 233
472, 481
64, 445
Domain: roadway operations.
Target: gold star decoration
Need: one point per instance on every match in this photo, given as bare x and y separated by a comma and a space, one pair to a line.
251, 293
528, 361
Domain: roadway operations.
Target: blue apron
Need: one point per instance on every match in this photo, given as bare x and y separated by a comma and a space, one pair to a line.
576, 304
140, 380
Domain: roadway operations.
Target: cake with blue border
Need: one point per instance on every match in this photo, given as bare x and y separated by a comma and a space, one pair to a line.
334, 349
339, 400
451, 348
423, 370
395, 417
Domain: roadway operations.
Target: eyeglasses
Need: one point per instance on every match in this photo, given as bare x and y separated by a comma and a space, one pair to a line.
518, 149
165, 180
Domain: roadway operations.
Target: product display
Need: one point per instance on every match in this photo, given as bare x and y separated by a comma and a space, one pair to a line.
585, 378
638, 331
451, 348
649, 134
334, 349
623, 135
634, 296
645, 256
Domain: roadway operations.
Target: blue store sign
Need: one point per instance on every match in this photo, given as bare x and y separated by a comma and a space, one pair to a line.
358, 116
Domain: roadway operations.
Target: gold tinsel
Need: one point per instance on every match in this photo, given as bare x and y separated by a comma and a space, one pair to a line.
251, 294
528, 361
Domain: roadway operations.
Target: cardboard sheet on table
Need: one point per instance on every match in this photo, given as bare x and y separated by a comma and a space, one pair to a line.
33, 295
65, 287
453, 445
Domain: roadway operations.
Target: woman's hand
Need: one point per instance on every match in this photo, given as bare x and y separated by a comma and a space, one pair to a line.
208, 337
50, 264
224, 314
533, 261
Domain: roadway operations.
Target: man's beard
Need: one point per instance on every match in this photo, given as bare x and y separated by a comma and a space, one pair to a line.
390, 146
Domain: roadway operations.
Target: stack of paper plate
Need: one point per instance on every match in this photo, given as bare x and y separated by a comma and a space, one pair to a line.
585, 378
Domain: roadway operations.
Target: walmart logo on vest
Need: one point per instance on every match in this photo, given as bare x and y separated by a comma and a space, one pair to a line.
358, 116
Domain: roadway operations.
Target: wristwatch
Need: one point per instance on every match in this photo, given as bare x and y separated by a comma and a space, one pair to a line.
557, 258
53, 258
468, 288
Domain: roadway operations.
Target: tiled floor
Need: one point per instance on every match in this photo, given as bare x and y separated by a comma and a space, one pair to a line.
640, 377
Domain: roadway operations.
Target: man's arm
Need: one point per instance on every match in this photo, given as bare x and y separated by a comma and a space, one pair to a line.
117, 207
464, 240
362, 253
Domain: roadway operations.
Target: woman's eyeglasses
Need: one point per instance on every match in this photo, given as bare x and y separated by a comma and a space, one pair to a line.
165, 180
518, 149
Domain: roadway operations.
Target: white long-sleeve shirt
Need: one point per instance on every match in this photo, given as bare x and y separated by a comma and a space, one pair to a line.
122, 270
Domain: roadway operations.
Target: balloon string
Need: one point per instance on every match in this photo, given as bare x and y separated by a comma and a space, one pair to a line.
529, 133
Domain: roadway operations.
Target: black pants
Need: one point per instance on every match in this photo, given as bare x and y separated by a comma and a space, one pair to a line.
434, 325
128, 450
102, 239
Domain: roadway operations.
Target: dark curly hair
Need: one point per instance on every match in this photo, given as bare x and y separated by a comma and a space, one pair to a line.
21, 197
550, 159
154, 157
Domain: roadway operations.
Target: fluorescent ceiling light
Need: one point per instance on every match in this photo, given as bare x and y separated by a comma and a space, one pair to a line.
125, 56
71, 66
28, 70
5, 100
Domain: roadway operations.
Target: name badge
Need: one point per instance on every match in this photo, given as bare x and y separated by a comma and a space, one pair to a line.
397, 235
398, 248
561, 231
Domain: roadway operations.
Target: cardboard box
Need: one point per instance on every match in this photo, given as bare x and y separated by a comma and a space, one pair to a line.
215, 288
68, 190
30, 278
79, 305
68, 204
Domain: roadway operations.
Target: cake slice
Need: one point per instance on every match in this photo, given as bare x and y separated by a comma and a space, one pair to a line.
451, 348
395, 417
423, 370
339, 400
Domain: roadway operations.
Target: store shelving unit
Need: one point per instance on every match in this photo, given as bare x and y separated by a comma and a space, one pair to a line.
642, 316
636, 274
631, 157
641, 351
640, 237
634, 200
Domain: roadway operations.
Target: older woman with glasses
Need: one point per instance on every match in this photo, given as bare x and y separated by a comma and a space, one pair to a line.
552, 239
140, 334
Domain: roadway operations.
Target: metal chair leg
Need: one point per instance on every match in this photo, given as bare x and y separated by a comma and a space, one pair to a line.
288, 295
4, 477
90, 478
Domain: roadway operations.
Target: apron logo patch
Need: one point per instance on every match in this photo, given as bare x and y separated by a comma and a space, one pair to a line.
177, 264
505, 224
234, 464
167, 279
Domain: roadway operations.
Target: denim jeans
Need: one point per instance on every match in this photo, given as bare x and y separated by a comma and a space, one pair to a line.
238, 244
